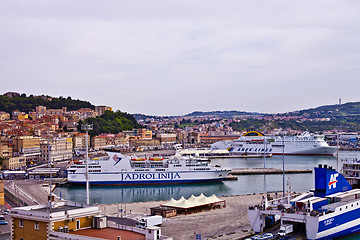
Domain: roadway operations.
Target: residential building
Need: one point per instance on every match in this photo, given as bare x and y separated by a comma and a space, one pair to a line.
144, 134
67, 220
79, 141
166, 138
99, 142
28, 147
100, 110
4, 116
58, 149
12, 163
6, 148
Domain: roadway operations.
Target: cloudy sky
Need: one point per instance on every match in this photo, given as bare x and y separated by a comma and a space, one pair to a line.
166, 57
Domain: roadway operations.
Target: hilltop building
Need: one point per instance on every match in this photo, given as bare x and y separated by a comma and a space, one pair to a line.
100, 110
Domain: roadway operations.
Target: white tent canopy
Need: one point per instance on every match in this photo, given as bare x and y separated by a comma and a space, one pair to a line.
193, 201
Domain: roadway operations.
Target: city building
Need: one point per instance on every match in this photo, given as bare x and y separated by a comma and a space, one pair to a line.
72, 221
4, 116
79, 141
28, 147
166, 138
58, 148
11, 163
100, 110
6, 148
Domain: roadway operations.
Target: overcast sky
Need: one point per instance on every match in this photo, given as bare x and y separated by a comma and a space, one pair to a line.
166, 57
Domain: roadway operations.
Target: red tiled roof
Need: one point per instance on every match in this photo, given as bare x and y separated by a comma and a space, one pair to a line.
110, 233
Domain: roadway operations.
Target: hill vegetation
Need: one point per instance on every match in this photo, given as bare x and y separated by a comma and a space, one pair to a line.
111, 122
27, 104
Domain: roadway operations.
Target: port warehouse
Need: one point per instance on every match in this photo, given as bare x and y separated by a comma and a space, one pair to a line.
188, 206
39, 173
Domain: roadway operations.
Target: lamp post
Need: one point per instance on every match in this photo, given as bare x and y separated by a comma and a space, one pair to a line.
283, 160
87, 127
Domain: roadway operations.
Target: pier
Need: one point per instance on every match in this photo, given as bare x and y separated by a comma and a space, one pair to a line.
260, 171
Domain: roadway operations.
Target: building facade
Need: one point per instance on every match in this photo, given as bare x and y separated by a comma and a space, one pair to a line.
58, 149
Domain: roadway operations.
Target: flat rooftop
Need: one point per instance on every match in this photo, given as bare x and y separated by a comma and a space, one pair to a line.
56, 209
109, 233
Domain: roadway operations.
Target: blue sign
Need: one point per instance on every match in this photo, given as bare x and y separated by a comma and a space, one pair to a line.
198, 236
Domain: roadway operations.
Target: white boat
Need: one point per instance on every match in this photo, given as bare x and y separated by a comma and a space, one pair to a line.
255, 142
330, 211
117, 169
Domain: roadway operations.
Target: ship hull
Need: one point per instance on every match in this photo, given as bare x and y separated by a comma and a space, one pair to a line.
150, 178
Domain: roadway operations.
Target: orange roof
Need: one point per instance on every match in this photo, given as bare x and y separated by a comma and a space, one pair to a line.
109, 233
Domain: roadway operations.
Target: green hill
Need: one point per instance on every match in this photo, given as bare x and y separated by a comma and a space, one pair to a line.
27, 104
111, 122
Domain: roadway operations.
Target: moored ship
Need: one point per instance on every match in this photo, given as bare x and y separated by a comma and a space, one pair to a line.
117, 169
254, 142
330, 211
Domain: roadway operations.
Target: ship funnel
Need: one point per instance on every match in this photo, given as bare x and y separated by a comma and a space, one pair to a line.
328, 181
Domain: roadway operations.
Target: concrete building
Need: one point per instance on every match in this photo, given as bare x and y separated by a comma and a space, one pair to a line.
79, 141
166, 138
100, 110
66, 220
4, 116
109, 140
60, 149
28, 147
6, 148
11, 163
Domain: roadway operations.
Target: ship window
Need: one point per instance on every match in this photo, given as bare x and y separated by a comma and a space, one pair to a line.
346, 207
340, 209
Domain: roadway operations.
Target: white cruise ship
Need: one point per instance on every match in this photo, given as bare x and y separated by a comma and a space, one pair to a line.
250, 144
117, 169
304, 144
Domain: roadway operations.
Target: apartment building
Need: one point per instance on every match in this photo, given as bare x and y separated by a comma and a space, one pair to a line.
6, 148
58, 149
72, 221
13, 163
100, 110
28, 147
4, 116
79, 141
109, 140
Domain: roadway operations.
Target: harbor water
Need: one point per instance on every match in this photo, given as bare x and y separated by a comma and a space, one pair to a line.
246, 184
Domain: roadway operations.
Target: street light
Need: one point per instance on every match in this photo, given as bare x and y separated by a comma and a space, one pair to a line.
87, 128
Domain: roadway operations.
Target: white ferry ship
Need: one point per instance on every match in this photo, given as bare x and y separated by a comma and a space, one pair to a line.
330, 211
117, 169
304, 144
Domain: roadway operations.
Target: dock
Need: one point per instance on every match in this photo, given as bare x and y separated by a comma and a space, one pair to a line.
262, 171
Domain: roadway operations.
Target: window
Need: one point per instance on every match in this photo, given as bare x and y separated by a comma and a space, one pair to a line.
36, 226
21, 223
77, 224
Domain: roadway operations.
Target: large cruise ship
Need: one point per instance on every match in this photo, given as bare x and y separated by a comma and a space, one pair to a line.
330, 211
305, 144
117, 169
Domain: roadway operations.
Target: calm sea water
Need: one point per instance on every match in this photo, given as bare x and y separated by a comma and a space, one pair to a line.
244, 185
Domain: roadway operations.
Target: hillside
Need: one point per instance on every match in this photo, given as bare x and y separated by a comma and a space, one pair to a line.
27, 104
111, 122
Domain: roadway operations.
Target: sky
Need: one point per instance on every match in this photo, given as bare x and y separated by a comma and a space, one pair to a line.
167, 57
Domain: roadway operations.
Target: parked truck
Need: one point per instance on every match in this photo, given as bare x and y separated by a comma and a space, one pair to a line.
150, 221
285, 229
